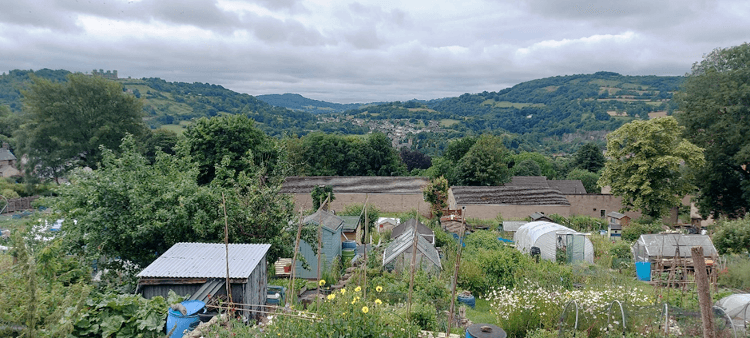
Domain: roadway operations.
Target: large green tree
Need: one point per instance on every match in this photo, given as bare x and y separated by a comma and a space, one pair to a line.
130, 209
486, 163
589, 157
66, 122
647, 166
715, 110
338, 155
543, 162
208, 141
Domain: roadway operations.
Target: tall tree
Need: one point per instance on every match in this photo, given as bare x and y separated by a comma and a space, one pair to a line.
235, 137
545, 165
589, 157
329, 155
66, 122
589, 179
715, 110
647, 165
486, 163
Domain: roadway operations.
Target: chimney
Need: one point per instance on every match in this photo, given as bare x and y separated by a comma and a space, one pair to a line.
5, 145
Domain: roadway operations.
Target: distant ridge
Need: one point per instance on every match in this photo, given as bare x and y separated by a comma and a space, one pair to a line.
299, 102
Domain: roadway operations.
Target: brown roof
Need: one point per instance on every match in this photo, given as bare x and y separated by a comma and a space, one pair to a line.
508, 195
528, 181
356, 184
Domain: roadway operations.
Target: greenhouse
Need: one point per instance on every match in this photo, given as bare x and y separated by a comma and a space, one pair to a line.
554, 242
736, 306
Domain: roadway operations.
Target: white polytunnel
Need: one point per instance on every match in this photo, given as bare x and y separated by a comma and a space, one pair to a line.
548, 237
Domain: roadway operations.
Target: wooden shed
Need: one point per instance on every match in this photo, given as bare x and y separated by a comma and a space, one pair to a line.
200, 270
332, 227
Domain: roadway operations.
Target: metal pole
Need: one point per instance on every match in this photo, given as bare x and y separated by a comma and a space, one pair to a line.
226, 246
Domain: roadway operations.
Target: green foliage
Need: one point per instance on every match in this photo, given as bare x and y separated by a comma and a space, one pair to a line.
546, 168
113, 315
136, 211
336, 155
486, 163
436, 193
646, 166
373, 213
159, 140
589, 179
733, 236
715, 111
633, 231
209, 141
344, 314
320, 195
737, 273
527, 168
66, 123
43, 287
589, 157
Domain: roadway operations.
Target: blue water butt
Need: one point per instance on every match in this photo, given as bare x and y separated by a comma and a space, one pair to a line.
181, 322
349, 244
469, 300
643, 270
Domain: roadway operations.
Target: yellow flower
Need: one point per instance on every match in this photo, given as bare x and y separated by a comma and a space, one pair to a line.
357, 289
379, 288
331, 296
378, 301
322, 282
343, 291
365, 309
343, 314
354, 301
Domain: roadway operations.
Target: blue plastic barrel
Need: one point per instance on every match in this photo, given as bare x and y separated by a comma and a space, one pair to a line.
349, 244
643, 270
468, 300
181, 322
485, 331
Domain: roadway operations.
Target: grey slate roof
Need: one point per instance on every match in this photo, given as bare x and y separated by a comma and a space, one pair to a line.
6, 155
403, 227
356, 184
528, 181
615, 215
566, 187
350, 223
508, 195
206, 260
406, 241
326, 219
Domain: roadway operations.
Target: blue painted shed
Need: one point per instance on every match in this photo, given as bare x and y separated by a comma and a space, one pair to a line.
332, 227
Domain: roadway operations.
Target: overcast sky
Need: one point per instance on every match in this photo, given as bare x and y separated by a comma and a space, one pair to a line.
369, 50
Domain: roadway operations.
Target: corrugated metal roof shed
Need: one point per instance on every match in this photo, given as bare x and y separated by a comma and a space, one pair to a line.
406, 241
206, 260
356, 184
508, 195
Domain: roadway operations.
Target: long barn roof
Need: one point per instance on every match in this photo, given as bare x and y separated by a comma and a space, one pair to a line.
356, 184
508, 195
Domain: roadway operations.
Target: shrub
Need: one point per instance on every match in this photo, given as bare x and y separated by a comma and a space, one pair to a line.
634, 230
737, 273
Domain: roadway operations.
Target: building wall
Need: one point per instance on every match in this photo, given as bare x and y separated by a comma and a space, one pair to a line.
593, 205
384, 202
490, 211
